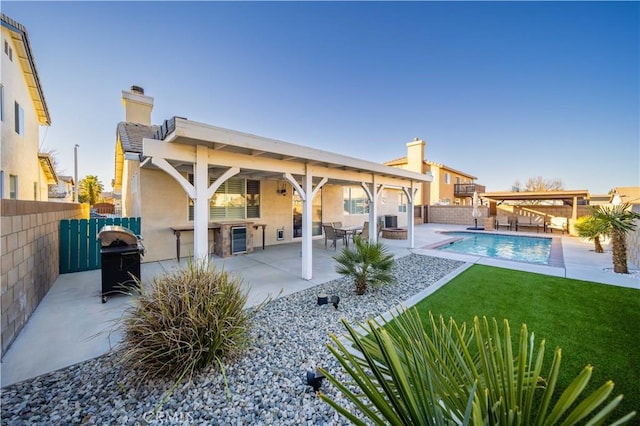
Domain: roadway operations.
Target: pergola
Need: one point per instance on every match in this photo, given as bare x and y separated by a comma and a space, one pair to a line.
207, 150
570, 197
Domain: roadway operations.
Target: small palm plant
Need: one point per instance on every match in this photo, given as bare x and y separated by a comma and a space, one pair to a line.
369, 264
438, 373
592, 229
617, 220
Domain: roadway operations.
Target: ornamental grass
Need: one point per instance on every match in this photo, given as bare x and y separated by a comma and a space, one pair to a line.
185, 321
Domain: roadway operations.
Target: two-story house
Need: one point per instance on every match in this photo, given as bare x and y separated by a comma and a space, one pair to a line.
25, 173
448, 187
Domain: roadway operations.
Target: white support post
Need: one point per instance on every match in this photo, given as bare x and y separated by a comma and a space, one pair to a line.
410, 193
373, 195
201, 204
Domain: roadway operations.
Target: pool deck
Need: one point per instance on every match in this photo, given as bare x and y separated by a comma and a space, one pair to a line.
71, 325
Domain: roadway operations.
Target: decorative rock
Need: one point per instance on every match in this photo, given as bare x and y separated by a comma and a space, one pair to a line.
289, 336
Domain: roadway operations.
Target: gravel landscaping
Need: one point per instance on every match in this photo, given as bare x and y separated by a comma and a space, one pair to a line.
266, 386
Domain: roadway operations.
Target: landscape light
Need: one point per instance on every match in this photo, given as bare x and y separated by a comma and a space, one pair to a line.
314, 379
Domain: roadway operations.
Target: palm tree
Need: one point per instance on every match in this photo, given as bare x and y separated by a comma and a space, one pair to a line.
369, 263
439, 373
592, 229
617, 220
89, 189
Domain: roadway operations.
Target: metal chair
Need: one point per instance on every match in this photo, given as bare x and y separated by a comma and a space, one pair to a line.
330, 234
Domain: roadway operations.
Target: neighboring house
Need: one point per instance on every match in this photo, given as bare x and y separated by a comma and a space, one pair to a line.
449, 186
25, 174
625, 194
192, 179
62, 192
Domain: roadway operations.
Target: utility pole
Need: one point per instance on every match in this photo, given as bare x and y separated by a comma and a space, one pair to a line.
75, 177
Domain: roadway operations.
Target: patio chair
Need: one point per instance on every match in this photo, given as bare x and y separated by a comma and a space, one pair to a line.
363, 234
330, 234
559, 223
503, 221
526, 222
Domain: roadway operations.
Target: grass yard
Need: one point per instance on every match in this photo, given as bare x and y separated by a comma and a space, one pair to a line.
593, 323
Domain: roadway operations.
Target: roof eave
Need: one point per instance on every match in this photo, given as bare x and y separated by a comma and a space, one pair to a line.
27, 62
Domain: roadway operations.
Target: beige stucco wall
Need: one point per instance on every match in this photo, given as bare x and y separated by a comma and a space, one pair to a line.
164, 204
19, 154
130, 199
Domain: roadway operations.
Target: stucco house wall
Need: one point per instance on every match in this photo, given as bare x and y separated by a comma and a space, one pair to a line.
19, 152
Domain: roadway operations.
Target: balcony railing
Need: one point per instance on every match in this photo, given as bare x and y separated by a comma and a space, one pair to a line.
467, 189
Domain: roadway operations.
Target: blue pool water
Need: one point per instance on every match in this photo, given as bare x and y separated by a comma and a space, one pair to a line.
509, 247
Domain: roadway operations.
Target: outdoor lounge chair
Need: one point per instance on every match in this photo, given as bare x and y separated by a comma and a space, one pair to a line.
528, 222
558, 223
503, 221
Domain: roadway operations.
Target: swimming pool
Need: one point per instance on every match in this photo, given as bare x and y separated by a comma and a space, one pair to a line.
508, 247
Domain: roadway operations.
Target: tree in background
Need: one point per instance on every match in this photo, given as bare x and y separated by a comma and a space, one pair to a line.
89, 189
592, 229
617, 220
540, 184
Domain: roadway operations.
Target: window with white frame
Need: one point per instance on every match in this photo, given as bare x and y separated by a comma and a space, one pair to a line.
447, 178
234, 199
355, 200
458, 179
402, 203
13, 187
19, 119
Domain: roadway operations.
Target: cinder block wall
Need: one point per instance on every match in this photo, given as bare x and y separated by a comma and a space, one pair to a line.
456, 215
29, 243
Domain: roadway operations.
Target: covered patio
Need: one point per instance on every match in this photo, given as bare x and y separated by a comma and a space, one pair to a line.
213, 155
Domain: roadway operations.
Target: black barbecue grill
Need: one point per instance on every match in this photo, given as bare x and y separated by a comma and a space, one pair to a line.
121, 253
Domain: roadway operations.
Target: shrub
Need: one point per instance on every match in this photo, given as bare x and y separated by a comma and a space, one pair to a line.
440, 373
368, 264
184, 322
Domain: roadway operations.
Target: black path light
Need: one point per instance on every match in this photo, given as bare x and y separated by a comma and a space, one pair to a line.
323, 299
314, 379
334, 301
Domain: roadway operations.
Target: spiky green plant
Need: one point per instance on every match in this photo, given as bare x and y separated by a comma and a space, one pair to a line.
185, 321
592, 229
368, 264
405, 373
618, 220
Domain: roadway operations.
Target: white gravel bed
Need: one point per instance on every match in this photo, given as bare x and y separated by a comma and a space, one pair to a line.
266, 386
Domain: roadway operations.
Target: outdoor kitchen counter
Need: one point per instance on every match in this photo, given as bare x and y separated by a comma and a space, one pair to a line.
221, 236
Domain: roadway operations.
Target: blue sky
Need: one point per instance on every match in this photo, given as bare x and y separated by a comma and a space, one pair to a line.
502, 90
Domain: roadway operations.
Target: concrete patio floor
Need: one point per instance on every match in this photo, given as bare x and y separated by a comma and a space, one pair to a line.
71, 324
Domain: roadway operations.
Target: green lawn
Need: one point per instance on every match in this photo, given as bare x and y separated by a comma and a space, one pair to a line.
593, 323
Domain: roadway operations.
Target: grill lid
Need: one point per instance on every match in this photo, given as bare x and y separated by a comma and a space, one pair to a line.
115, 235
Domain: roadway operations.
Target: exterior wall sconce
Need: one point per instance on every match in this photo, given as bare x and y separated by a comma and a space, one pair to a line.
282, 190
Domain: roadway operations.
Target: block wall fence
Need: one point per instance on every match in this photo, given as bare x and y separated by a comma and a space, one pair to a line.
633, 242
29, 245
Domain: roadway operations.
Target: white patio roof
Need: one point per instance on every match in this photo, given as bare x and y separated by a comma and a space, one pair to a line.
187, 146
260, 157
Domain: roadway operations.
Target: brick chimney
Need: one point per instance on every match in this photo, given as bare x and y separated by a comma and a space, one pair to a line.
137, 106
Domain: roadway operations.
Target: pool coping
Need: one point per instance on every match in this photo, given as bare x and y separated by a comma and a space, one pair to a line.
556, 257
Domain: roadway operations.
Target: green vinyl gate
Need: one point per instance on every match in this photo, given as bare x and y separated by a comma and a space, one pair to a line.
79, 244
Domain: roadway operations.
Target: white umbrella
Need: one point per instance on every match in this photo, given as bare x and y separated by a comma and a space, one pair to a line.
475, 213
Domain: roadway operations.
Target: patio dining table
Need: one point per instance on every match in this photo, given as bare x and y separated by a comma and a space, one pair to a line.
349, 230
